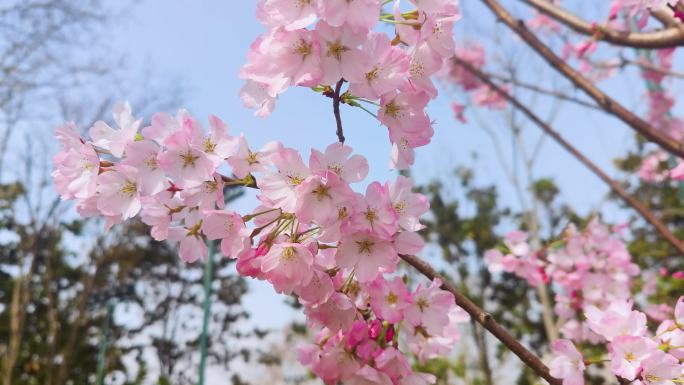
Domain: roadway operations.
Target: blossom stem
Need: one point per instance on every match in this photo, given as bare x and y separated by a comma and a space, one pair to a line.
249, 217
367, 110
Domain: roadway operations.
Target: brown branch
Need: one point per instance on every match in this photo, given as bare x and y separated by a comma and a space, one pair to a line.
336, 110
609, 104
485, 319
665, 38
614, 185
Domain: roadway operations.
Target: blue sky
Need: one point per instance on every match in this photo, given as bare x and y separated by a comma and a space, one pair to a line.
204, 43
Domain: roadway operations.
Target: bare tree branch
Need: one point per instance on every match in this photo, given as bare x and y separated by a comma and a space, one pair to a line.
666, 38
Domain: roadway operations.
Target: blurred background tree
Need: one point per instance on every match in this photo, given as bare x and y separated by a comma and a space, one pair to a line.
59, 274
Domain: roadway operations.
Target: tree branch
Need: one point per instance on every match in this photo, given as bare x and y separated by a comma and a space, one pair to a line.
541, 90
336, 110
614, 185
609, 104
485, 319
665, 38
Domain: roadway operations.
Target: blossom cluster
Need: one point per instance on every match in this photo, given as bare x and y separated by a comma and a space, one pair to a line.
660, 107
593, 276
322, 44
634, 354
482, 94
579, 270
311, 235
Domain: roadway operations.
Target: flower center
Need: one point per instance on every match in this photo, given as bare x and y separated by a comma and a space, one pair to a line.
151, 163
371, 215
129, 189
422, 304
416, 69
392, 109
373, 74
322, 192
295, 180
391, 298
365, 246
336, 168
252, 158
209, 146
288, 254
303, 48
336, 49
210, 187
400, 206
188, 159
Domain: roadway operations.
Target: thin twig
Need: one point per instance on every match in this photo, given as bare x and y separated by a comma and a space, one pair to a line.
544, 91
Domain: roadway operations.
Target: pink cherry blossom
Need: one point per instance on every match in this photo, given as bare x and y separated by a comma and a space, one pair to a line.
627, 353
430, 307
408, 205
358, 16
386, 68
568, 363
369, 376
337, 159
375, 212
226, 226
340, 55
287, 266
119, 192
319, 197
280, 187
192, 245
143, 156
286, 13
116, 140
367, 254
393, 363
389, 299
660, 368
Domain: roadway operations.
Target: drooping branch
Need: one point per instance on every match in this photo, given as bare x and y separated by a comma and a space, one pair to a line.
665, 38
609, 104
485, 319
614, 185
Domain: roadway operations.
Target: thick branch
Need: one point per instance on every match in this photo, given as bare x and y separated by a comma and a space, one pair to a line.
614, 185
610, 105
665, 38
486, 320
336, 110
